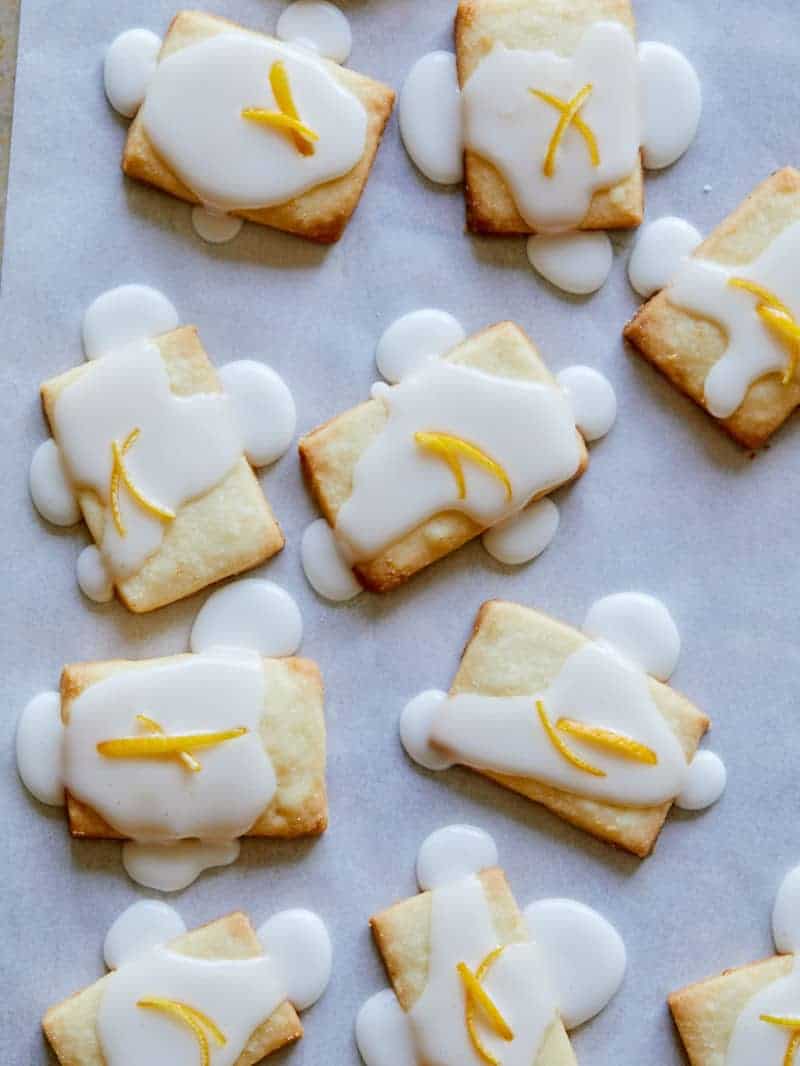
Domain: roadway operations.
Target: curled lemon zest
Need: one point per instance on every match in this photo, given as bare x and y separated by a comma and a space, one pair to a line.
764, 294
280, 121
287, 116
120, 475
786, 1023
561, 747
192, 1018
476, 995
569, 115
627, 747
453, 449
188, 760
162, 744
774, 313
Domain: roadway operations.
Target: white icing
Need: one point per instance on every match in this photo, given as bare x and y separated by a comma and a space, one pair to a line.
215, 227
756, 1041
50, 490
93, 577
592, 398
584, 954
129, 65
326, 570
705, 782
416, 723
511, 128
252, 614
415, 339
429, 113
786, 914
264, 407
192, 115
524, 535
142, 926
452, 853
299, 946
671, 102
383, 1035
39, 739
524, 426
753, 349
172, 867
639, 627
574, 262
124, 315
316, 22
659, 252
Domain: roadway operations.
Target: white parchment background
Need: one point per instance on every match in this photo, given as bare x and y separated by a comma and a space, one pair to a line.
668, 505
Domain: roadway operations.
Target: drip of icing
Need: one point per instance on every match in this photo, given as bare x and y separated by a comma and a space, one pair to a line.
141, 927
659, 252
383, 1034
585, 956
592, 398
753, 350
298, 944
93, 577
639, 627
452, 853
671, 101
49, 486
215, 227
429, 113
129, 65
416, 723
264, 407
705, 782
415, 339
574, 262
252, 614
523, 536
786, 914
489, 412
39, 749
193, 116
172, 867
123, 316
326, 570
318, 23
511, 128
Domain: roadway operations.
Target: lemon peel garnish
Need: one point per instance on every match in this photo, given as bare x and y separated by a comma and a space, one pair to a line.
120, 475
193, 1018
627, 747
188, 760
287, 116
561, 747
476, 995
453, 449
569, 116
774, 313
786, 1023
162, 744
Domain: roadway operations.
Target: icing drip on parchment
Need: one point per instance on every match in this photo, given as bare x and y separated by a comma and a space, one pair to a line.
129, 66
659, 251
319, 25
578, 263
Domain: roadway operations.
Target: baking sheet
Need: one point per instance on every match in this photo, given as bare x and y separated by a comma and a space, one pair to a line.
669, 506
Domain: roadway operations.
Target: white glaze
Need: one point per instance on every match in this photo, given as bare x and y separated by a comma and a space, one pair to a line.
524, 426
215, 227
592, 398
38, 746
452, 853
318, 23
326, 570
192, 115
140, 927
753, 349
50, 490
659, 252
415, 339
383, 1035
585, 956
639, 627
299, 946
172, 867
671, 102
524, 535
756, 1041
429, 113
786, 914
129, 65
264, 406
93, 577
252, 614
577, 262
416, 723
123, 316
705, 782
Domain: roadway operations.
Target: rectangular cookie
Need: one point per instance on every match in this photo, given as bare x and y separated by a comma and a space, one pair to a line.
229, 529
293, 731
515, 650
330, 453
535, 25
402, 936
322, 213
684, 346
70, 1027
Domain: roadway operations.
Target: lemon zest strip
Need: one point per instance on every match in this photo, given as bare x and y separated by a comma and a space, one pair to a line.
627, 747
119, 474
774, 313
476, 995
561, 747
280, 121
585, 130
569, 115
786, 1023
191, 1017
162, 744
287, 116
452, 449
188, 760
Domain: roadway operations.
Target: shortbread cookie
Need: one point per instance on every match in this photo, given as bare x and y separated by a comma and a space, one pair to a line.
204, 132
725, 332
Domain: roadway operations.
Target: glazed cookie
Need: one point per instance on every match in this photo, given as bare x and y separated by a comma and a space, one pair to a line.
223, 993
724, 331
576, 721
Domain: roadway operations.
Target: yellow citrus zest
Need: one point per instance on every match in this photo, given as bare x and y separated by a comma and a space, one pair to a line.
774, 313
786, 1023
608, 739
192, 1018
569, 116
188, 760
476, 995
119, 474
561, 747
453, 449
161, 744
287, 116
